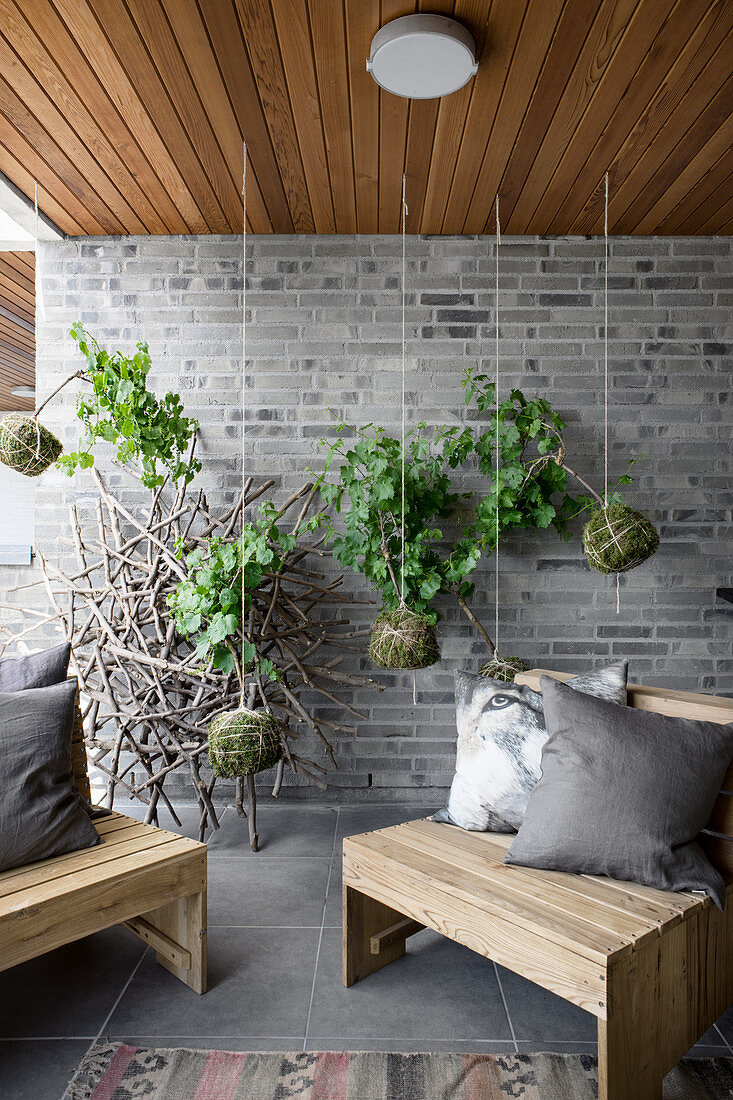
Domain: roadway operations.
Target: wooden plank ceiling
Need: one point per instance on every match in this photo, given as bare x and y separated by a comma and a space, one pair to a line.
131, 113
17, 328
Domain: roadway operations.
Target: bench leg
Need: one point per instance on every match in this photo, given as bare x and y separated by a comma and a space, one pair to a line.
631, 1041
363, 918
184, 922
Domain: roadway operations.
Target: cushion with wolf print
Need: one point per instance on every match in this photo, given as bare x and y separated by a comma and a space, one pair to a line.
501, 731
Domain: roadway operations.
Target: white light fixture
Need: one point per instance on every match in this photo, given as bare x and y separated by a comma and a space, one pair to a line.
23, 391
422, 56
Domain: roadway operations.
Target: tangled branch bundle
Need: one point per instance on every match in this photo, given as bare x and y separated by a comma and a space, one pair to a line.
147, 701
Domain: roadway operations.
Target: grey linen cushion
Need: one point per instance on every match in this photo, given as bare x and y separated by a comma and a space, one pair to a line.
501, 731
42, 813
624, 793
34, 670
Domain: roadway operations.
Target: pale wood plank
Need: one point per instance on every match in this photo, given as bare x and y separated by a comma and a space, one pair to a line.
58, 874
585, 898
396, 933
563, 929
184, 922
562, 971
146, 881
364, 917
676, 704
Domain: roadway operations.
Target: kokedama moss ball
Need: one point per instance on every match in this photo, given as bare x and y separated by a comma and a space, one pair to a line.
505, 669
243, 742
26, 446
618, 538
403, 639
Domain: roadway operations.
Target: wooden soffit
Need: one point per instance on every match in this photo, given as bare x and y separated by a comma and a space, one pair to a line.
131, 115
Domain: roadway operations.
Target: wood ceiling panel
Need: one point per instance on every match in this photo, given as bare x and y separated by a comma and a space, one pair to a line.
17, 328
131, 114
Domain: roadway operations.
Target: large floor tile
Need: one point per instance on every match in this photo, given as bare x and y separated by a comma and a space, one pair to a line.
438, 991
68, 993
286, 830
266, 891
38, 1069
333, 913
260, 983
213, 1042
415, 1046
188, 815
539, 1015
365, 819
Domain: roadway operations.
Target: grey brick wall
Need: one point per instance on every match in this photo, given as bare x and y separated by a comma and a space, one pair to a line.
324, 332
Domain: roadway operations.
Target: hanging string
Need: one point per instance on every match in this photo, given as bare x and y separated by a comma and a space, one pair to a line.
40, 311
605, 375
244, 373
404, 229
404, 360
605, 351
496, 438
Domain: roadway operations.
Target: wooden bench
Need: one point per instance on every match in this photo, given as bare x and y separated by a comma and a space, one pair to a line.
655, 968
151, 880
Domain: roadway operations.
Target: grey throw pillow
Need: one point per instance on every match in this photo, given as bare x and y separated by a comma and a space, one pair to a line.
501, 731
41, 812
624, 793
35, 670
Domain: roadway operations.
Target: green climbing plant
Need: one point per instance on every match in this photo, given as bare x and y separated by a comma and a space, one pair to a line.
362, 481
148, 430
207, 606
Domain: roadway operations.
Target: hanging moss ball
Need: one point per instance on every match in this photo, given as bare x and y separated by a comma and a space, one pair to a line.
243, 742
618, 538
403, 639
26, 446
504, 669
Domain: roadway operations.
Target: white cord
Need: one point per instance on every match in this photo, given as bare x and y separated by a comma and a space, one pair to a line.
605, 352
404, 227
496, 439
244, 361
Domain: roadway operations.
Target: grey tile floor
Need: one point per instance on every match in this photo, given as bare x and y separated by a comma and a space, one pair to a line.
275, 976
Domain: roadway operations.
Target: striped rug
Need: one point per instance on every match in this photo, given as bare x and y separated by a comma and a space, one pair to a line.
116, 1071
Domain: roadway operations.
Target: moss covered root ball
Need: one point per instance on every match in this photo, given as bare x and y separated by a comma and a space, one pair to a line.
504, 669
26, 446
243, 742
618, 538
403, 639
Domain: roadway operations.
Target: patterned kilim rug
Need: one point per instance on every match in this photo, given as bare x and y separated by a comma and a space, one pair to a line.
115, 1071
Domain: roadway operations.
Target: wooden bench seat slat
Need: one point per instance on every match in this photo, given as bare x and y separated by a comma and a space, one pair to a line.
102, 859
466, 850
437, 906
564, 929
655, 906
68, 884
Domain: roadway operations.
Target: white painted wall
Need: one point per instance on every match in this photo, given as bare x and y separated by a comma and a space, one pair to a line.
17, 516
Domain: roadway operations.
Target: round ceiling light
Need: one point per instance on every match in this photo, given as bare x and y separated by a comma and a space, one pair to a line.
23, 391
422, 56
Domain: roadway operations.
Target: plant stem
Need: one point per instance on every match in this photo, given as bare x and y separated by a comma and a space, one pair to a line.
582, 481
79, 374
386, 555
472, 618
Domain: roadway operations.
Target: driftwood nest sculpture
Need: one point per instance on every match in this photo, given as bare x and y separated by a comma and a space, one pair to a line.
146, 701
